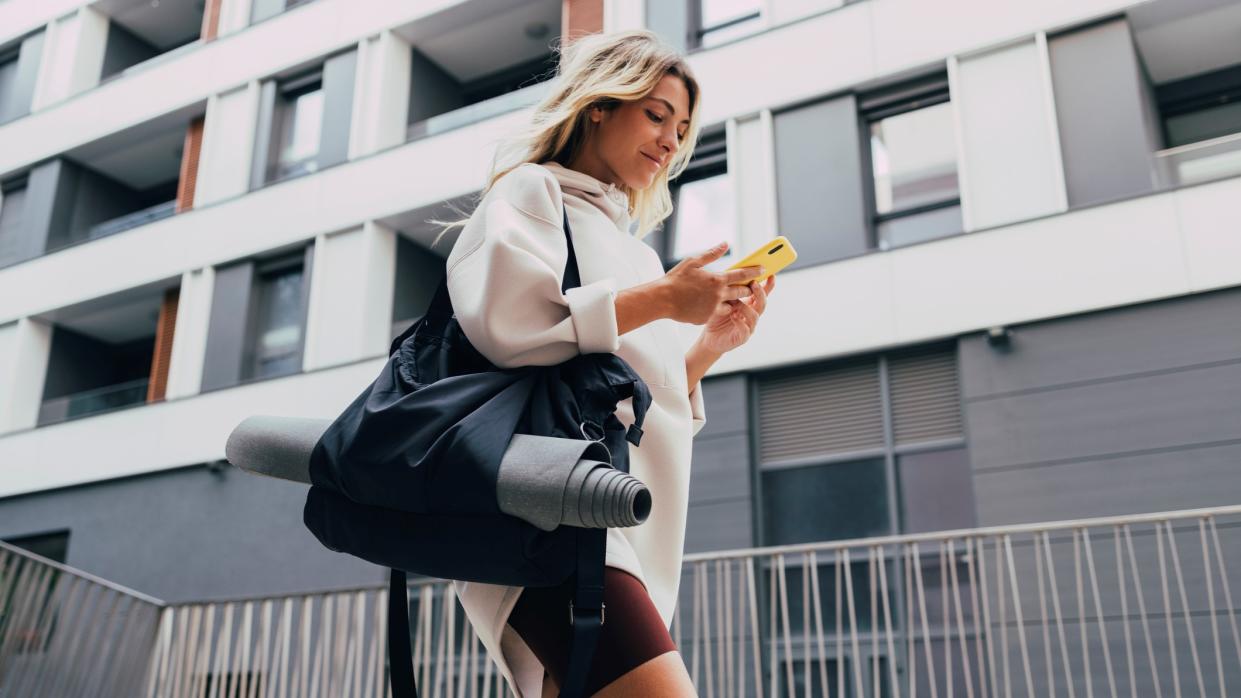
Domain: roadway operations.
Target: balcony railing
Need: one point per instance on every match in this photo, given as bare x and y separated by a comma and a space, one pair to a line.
1216, 158
1122, 606
65, 633
479, 111
109, 397
133, 220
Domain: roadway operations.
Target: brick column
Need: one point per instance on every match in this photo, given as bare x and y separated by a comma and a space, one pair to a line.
579, 18
189, 165
211, 20
162, 355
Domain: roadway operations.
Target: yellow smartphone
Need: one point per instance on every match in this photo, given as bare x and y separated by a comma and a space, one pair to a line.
777, 254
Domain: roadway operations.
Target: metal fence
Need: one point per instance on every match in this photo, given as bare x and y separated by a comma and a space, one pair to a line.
1123, 606
64, 633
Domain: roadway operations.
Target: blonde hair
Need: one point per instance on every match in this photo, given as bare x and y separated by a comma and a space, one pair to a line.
601, 70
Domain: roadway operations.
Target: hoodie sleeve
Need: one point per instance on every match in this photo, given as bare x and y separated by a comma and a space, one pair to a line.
504, 276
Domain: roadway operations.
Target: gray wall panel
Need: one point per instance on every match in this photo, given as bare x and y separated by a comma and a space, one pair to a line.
670, 20
1125, 411
123, 50
1184, 331
726, 404
226, 333
723, 525
263, 136
49, 196
1099, 104
1180, 409
820, 193
262, 9
432, 91
338, 78
720, 468
190, 534
17, 103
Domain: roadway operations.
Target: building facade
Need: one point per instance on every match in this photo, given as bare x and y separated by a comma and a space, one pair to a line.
1017, 300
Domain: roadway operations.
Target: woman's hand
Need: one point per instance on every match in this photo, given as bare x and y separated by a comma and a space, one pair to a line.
733, 322
694, 295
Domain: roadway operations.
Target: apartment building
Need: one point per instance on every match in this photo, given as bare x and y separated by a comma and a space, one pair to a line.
1018, 296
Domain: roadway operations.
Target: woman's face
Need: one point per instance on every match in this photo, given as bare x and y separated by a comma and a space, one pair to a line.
636, 140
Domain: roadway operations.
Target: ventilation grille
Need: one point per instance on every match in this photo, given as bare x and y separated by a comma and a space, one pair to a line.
925, 398
820, 414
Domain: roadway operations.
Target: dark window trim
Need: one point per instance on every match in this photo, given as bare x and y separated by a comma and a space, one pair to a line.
1196, 93
697, 30
710, 160
874, 105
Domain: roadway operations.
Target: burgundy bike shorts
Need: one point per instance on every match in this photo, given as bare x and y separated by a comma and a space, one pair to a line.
632, 633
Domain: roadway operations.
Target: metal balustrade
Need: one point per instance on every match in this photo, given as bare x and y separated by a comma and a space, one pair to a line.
1120, 606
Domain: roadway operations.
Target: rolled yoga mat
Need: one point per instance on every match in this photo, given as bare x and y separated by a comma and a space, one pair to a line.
545, 480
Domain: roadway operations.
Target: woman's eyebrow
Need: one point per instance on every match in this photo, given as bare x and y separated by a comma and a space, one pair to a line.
671, 108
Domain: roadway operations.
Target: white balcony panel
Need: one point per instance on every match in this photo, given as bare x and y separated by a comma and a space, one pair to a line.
167, 434
24, 349
620, 15
782, 11
19, 17
189, 339
1010, 151
72, 57
310, 32
338, 198
1211, 222
750, 165
228, 145
1143, 249
866, 41
351, 300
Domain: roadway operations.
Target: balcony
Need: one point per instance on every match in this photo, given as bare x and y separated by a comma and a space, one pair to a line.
1217, 158
1129, 605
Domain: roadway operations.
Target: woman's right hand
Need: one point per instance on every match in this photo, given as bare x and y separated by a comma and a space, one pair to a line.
692, 294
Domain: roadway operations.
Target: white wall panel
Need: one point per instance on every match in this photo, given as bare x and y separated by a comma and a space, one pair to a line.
19, 17
228, 145
1010, 154
72, 57
619, 15
189, 339
749, 164
781, 11
1210, 220
350, 296
102, 447
381, 100
24, 351
234, 16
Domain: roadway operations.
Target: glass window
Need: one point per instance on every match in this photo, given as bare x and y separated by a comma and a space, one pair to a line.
300, 125
915, 159
12, 207
724, 20
278, 332
1204, 124
8, 76
704, 217
825, 502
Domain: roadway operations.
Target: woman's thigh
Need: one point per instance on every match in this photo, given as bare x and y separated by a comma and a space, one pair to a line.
633, 642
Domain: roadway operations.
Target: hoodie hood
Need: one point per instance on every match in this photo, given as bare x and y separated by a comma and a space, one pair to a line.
605, 196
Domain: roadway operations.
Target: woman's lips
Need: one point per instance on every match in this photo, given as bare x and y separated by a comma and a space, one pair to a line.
652, 160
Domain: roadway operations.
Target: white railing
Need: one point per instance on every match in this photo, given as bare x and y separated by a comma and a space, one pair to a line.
1121, 606
1199, 162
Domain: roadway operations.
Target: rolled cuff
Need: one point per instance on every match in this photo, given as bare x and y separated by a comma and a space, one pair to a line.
697, 409
593, 309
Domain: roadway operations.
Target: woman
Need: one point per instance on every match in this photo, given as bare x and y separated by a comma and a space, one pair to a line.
619, 122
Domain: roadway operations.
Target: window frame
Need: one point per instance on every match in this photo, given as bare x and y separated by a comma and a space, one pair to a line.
697, 31
710, 160
264, 273
9, 55
874, 106
287, 92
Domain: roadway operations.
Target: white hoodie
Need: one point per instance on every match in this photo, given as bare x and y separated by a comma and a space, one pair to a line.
504, 275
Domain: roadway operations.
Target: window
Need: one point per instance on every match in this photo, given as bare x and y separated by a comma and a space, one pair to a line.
913, 158
1201, 127
8, 77
702, 200
12, 208
297, 128
278, 314
719, 21
842, 456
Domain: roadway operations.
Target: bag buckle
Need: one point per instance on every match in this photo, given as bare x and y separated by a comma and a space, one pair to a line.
602, 612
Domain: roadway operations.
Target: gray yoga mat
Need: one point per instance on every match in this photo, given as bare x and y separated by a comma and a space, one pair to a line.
545, 480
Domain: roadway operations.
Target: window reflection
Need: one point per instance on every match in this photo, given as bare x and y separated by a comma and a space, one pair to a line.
704, 217
914, 157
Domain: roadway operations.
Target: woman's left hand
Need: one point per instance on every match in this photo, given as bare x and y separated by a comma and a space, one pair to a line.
734, 321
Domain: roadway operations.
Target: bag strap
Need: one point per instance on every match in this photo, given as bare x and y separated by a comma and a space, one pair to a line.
585, 610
